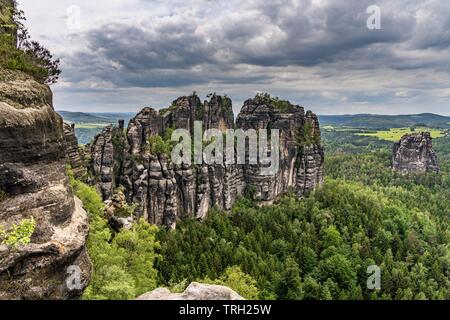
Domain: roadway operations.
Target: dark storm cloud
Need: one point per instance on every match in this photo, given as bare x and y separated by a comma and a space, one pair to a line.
169, 45
319, 53
181, 49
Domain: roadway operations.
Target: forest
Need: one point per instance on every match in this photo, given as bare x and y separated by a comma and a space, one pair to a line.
318, 247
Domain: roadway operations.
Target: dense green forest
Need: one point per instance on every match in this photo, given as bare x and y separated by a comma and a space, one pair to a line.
320, 247
316, 248
379, 121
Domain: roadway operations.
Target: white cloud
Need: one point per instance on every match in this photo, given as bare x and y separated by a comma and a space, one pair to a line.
130, 53
401, 94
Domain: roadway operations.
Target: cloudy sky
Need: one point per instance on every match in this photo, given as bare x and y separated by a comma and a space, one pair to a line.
122, 55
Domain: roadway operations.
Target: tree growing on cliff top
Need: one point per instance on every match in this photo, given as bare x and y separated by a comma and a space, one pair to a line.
19, 52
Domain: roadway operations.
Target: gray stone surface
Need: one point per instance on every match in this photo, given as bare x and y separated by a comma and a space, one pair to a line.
72, 152
195, 291
165, 192
32, 173
414, 154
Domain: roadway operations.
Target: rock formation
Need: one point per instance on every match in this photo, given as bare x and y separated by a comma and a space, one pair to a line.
116, 212
33, 180
195, 291
164, 191
72, 152
414, 154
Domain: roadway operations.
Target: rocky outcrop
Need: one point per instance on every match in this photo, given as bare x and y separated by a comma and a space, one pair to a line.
106, 158
102, 161
164, 191
116, 212
32, 175
72, 152
301, 156
414, 154
195, 291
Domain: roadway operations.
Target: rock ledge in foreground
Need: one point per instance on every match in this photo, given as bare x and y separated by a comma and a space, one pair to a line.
195, 291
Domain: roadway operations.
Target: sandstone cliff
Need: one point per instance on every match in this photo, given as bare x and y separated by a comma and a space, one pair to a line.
72, 151
165, 192
33, 180
414, 154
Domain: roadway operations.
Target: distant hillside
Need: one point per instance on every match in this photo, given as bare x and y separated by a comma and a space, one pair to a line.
88, 125
81, 117
93, 117
386, 121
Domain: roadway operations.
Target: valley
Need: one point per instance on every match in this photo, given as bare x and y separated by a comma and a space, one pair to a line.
233, 194
319, 247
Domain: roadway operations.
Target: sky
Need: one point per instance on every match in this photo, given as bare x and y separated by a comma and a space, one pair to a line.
123, 55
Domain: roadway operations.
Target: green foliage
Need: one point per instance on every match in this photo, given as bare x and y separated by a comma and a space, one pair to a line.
3, 195
375, 121
140, 245
19, 234
157, 145
316, 248
237, 280
126, 210
306, 136
320, 247
118, 141
266, 98
345, 140
10, 18
123, 262
395, 134
25, 55
290, 284
92, 202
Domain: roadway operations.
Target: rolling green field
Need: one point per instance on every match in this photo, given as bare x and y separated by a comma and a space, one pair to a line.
90, 125
395, 134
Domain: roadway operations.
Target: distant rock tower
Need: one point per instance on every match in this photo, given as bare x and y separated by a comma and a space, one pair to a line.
414, 154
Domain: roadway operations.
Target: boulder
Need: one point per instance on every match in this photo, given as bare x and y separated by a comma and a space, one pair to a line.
195, 291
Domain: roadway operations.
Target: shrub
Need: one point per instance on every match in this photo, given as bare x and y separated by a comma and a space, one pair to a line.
277, 103
157, 145
24, 54
123, 262
127, 210
237, 280
305, 136
19, 234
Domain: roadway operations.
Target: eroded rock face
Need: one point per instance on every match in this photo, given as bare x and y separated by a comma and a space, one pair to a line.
116, 214
32, 173
414, 154
165, 192
301, 155
195, 291
72, 152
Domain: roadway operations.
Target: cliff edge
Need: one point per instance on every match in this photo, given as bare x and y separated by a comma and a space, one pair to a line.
34, 185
